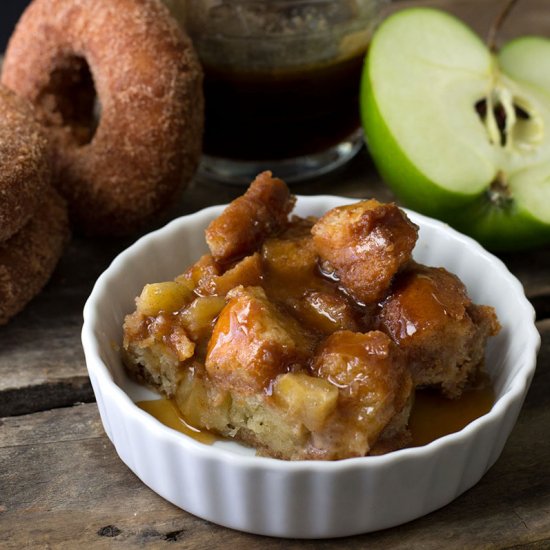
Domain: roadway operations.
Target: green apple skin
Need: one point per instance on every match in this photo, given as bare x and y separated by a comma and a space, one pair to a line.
499, 227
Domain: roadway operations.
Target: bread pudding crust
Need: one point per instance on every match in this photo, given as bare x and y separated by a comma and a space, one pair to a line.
264, 345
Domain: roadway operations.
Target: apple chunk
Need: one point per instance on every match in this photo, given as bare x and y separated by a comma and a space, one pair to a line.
457, 132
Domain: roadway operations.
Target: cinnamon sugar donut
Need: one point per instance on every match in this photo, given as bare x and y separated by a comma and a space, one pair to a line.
29, 257
147, 142
24, 163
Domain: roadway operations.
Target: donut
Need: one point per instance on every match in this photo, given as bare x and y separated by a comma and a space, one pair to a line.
34, 224
119, 88
28, 258
24, 163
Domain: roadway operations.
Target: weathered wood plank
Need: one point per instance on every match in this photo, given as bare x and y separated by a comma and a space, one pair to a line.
41, 359
62, 484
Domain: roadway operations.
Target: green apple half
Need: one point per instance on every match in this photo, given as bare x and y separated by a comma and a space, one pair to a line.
457, 132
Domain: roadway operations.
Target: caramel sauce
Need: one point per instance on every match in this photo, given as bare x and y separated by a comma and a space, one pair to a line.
432, 415
249, 114
166, 411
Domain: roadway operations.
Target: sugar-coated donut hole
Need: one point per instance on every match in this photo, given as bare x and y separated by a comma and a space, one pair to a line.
70, 100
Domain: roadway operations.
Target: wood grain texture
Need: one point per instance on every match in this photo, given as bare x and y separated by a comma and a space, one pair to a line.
41, 359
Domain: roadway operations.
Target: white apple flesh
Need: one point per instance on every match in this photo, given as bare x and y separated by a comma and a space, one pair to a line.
457, 132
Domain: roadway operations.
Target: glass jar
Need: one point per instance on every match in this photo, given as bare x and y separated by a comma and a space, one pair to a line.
281, 83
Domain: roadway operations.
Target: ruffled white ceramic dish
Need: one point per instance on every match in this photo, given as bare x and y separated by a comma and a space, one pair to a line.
226, 484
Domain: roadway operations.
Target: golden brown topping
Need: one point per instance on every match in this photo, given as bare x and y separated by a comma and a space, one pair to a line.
157, 347
326, 312
181, 343
201, 275
206, 276
428, 314
247, 272
293, 258
363, 364
253, 342
242, 227
365, 244
423, 300
372, 376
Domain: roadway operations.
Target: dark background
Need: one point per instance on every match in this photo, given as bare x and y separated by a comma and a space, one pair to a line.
10, 11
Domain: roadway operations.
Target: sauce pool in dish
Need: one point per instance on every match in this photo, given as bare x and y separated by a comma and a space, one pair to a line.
432, 416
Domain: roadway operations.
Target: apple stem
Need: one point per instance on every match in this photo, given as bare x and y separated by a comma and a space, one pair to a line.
497, 25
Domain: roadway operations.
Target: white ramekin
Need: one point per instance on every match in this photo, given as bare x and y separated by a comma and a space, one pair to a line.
226, 484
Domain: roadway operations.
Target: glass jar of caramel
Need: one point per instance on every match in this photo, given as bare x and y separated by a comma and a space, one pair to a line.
281, 83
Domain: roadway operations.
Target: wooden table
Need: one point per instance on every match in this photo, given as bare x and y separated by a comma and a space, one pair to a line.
63, 486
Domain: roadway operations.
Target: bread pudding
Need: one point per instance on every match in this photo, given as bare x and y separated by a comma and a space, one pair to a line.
306, 338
